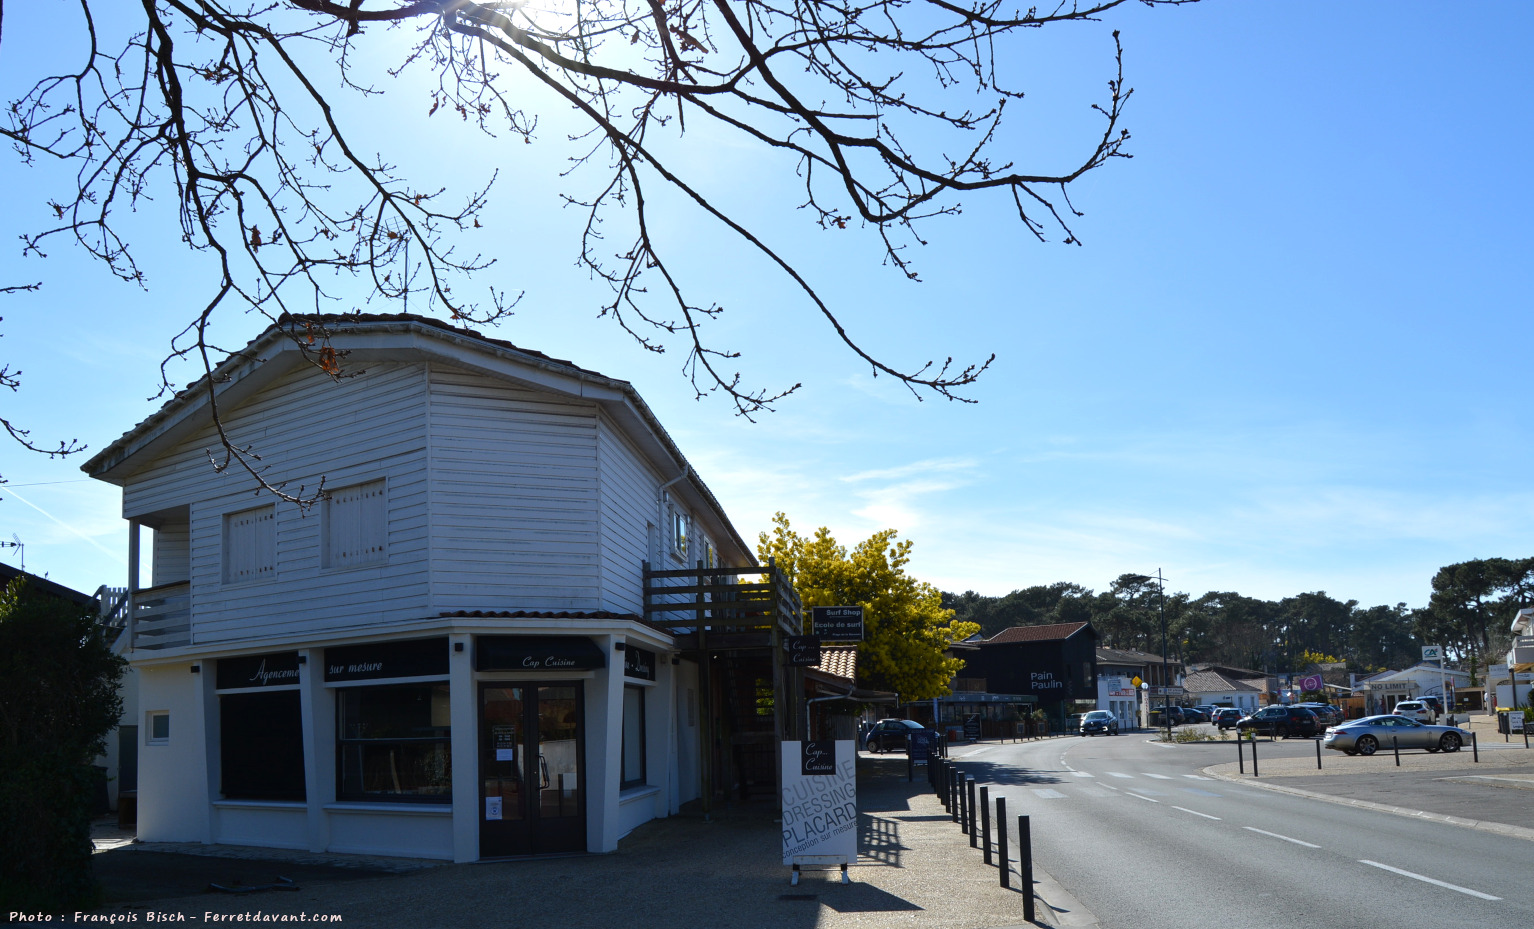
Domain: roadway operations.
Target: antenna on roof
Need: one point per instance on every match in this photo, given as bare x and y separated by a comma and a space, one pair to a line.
21, 550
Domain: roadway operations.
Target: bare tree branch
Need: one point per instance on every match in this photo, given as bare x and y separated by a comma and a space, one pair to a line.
227, 103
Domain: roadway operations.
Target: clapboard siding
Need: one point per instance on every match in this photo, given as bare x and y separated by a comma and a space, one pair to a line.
513, 497
305, 427
629, 508
172, 554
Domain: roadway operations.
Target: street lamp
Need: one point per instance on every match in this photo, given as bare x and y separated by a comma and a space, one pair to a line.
1166, 695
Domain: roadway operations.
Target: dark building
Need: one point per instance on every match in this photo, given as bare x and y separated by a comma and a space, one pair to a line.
1056, 664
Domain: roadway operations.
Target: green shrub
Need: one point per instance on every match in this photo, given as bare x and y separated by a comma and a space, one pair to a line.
58, 701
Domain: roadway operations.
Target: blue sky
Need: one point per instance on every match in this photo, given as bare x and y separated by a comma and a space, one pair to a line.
1289, 356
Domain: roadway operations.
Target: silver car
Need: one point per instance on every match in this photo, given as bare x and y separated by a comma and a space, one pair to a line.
1372, 733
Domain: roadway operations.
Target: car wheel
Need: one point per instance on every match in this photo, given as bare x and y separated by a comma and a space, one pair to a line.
1280, 732
1450, 742
873, 746
1368, 745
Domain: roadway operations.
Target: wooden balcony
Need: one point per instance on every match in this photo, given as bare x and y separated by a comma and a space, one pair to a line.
161, 616
734, 602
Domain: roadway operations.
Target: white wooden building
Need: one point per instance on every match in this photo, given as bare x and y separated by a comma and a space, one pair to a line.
447, 657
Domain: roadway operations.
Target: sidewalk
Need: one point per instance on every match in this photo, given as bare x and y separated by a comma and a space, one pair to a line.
915, 869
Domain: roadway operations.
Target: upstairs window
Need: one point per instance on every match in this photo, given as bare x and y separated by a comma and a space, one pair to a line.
250, 545
679, 534
354, 525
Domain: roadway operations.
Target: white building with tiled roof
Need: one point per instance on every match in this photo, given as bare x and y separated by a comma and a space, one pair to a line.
447, 656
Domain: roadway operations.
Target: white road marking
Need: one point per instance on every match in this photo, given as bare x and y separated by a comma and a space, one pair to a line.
1196, 813
1277, 836
1444, 884
1048, 794
1110, 787
1159, 777
1196, 777
1117, 774
1141, 797
1200, 793
1082, 774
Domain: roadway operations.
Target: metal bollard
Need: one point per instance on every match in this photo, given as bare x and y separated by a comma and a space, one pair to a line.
1025, 865
1001, 841
969, 809
1318, 754
953, 794
1240, 753
1396, 744
985, 822
1254, 756
1474, 751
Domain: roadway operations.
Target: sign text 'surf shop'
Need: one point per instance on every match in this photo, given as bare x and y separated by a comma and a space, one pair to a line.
837, 623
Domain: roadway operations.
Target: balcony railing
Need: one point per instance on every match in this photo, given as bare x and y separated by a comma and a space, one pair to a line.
161, 616
1521, 657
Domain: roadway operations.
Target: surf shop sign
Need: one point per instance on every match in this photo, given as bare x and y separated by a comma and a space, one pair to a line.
820, 803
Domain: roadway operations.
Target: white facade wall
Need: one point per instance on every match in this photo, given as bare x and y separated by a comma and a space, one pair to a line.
513, 497
175, 808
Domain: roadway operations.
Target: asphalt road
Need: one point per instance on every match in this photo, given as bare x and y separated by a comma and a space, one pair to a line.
1143, 840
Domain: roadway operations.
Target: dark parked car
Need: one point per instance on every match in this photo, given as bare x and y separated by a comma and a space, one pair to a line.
1174, 712
891, 734
1099, 721
1281, 722
1192, 714
1327, 714
1372, 733
1226, 717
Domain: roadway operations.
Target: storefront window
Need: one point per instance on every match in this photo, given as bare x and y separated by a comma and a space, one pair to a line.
395, 743
261, 746
633, 736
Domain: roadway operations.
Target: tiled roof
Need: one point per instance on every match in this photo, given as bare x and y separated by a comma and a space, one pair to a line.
1049, 633
839, 661
537, 614
1207, 682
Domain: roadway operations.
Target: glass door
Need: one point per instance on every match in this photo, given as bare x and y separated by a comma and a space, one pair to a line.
532, 795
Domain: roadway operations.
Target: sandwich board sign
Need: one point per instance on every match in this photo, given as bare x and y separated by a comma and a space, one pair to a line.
820, 804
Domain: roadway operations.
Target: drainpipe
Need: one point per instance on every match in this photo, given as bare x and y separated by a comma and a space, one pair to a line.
845, 696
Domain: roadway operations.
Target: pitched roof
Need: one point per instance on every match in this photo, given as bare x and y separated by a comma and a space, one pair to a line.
44, 586
1129, 656
1051, 633
1205, 682
253, 367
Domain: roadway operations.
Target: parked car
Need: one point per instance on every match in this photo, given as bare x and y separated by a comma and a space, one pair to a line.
1208, 709
1073, 722
1099, 721
1192, 714
1281, 722
1416, 710
1226, 717
892, 734
1372, 733
1327, 714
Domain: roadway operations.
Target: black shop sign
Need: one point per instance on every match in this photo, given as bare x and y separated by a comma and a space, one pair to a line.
639, 663
278, 669
817, 758
540, 653
413, 658
837, 623
803, 651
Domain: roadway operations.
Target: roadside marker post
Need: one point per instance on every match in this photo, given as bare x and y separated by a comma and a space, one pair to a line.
969, 785
1396, 743
985, 822
1001, 842
1025, 865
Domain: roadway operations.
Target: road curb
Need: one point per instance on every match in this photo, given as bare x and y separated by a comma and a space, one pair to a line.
1503, 829
1065, 912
